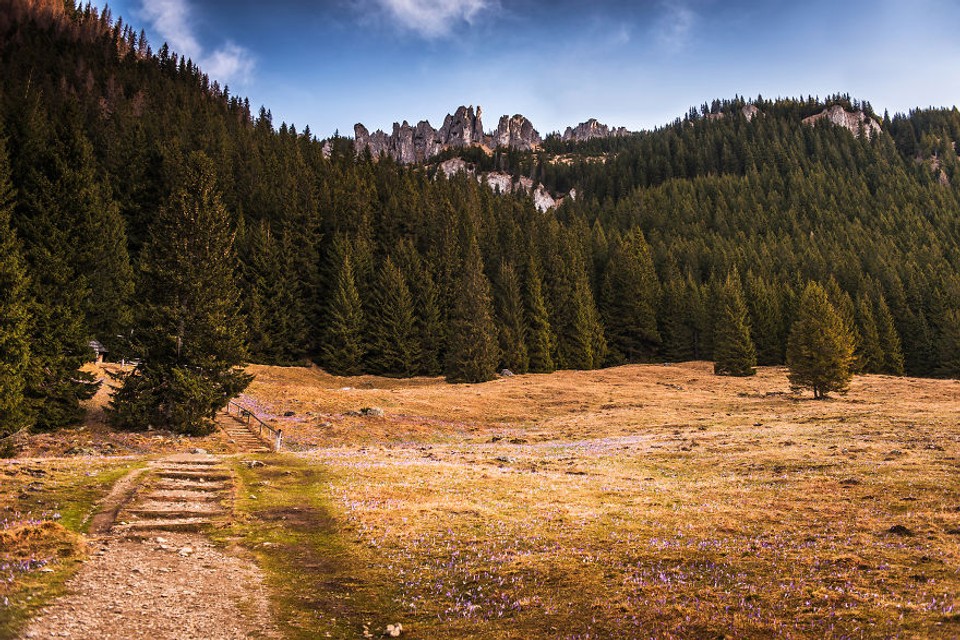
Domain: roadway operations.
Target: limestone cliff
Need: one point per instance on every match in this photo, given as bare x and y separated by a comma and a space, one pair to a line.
592, 129
854, 121
463, 128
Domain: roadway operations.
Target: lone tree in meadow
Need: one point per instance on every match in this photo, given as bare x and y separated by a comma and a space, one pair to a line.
820, 349
190, 339
733, 351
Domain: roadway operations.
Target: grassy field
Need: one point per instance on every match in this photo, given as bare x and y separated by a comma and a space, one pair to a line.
44, 507
642, 501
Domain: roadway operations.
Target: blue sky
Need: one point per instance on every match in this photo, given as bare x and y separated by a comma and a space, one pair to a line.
639, 64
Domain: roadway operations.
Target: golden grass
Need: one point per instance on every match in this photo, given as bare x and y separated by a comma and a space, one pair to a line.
642, 501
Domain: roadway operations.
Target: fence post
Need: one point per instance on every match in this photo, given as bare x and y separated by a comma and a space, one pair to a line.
279, 439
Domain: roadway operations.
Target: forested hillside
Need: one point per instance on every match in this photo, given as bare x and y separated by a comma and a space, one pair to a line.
363, 265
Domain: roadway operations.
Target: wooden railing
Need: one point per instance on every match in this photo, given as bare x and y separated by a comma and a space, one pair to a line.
257, 425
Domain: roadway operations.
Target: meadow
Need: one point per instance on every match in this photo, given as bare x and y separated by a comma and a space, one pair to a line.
643, 501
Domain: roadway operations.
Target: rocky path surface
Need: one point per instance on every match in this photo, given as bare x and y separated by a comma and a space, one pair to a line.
153, 573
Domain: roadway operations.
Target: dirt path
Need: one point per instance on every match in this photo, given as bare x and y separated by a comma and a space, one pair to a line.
154, 574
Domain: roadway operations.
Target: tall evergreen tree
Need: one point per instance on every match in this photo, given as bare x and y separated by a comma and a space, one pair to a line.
190, 339
889, 338
766, 319
343, 347
949, 346
733, 351
395, 348
52, 219
472, 352
629, 297
820, 349
511, 319
14, 315
540, 338
869, 352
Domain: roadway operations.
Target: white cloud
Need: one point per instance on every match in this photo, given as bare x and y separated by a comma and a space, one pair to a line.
675, 26
228, 64
433, 18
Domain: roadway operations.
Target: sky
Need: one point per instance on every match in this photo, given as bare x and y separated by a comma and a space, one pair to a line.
640, 64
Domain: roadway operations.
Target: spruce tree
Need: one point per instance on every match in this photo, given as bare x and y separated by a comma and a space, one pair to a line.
820, 349
733, 351
511, 320
890, 342
949, 346
190, 338
472, 351
629, 297
540, 339
426, 301
395, 348
869, 352
580, 339
14, 314
766, 319
52, 219
343, 347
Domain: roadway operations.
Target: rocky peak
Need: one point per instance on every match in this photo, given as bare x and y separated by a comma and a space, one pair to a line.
517, 133
463, 128
592, 129
854, 121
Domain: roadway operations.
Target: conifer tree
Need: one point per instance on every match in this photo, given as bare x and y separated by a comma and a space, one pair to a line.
190, 338
512, 320
14, 314
820, 349
766, 319
869, 352
472, 351
950, 344
733, 351
51, 220
343, 347
629, 298
426, 301
540, 339
889, 339
395, 348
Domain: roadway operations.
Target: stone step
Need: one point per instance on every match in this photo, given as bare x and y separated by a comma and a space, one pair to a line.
194, 475
185, 469
174, 514
189, 485
187, 525
183, 496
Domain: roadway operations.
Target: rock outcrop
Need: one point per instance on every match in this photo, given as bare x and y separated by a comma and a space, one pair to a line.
463, 128
854, 121
504, 183
750, 112
517, 133
590, 130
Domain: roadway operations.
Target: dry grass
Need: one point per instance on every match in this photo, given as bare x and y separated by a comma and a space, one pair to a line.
44, 505
644, 501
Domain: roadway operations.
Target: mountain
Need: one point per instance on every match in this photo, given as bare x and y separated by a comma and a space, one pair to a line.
364, 263
463, 128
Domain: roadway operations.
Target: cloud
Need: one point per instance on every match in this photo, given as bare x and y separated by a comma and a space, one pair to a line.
676, 24
433, 18
230, 63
